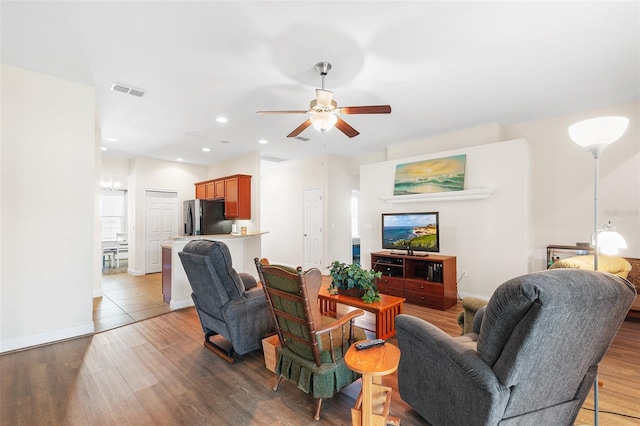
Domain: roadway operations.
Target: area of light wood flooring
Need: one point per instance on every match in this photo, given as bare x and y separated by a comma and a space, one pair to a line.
127, 299
156, 372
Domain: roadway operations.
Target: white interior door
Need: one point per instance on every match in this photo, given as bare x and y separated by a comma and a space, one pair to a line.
313, 219
161, 223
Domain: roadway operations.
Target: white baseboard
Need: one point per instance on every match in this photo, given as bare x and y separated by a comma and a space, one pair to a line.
463, 294
134, 272
42, 338
179, 304
97, 292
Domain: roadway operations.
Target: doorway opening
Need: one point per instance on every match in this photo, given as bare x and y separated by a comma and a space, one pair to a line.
355, 229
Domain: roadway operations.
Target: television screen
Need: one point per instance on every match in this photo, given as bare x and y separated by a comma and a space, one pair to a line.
411, 231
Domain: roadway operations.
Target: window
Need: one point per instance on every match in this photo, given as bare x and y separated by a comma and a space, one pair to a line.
112, 214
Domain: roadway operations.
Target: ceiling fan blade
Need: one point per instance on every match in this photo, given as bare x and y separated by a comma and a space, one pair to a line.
299, 129
284, 112
346, 128
369, 109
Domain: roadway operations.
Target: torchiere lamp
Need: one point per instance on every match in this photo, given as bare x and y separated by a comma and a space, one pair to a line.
596, 134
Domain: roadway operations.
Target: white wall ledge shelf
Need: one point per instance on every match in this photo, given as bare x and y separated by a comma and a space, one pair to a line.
467, 194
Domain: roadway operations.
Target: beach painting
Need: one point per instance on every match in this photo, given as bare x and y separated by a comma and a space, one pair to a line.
437, 175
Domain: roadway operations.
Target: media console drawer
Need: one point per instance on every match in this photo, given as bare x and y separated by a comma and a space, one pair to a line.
390, 282
424, 287
391, 291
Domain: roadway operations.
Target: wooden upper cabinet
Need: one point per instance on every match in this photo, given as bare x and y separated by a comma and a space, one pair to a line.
237, 199
201, 193
218, 188
210, 192
235, 190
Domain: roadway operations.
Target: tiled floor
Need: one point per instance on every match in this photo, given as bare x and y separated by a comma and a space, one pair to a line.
127, 299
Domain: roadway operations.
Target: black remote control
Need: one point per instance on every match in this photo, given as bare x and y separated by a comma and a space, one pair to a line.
369, 344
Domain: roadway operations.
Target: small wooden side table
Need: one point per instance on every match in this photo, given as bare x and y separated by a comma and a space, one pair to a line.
374, 401
385, 310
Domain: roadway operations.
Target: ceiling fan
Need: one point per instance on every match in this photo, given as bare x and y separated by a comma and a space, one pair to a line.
323, 110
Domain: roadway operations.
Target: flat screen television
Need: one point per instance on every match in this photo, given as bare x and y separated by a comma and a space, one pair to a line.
411, 231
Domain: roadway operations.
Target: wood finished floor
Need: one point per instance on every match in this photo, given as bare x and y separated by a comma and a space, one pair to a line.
156, 372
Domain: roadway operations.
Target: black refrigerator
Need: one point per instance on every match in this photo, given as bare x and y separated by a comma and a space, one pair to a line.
204, 217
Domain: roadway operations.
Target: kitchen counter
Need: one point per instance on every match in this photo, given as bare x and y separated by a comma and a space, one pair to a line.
216, 236
243, 248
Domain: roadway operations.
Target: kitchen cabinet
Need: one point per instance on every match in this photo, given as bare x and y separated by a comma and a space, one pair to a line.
201, 193
235, 190
237, 199
218, 188
209, 190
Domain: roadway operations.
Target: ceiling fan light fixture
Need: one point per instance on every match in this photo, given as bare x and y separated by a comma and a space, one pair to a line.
323, 121
324, 98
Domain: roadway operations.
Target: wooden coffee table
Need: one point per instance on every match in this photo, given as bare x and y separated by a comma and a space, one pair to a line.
385, 310
372, 405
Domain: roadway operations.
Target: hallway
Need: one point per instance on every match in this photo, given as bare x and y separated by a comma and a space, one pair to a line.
128, 299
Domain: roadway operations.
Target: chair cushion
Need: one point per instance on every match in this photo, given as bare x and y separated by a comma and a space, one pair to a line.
220, 258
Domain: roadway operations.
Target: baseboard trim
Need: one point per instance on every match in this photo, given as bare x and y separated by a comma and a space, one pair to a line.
463, 294
97, 292
134, 272
44, 338
179, 304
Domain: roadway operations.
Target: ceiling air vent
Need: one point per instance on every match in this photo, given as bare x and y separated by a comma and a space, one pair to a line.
128, 90
269, 157
302, 138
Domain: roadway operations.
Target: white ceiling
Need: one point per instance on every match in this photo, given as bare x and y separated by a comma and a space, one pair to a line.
441, 65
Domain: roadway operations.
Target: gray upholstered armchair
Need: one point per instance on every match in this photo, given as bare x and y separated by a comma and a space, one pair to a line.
232, 307
534, 361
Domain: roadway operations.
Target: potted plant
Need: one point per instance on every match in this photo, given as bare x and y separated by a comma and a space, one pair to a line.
354, 281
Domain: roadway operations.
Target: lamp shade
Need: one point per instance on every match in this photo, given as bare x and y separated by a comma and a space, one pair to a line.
609, 241
323, 121
598, 131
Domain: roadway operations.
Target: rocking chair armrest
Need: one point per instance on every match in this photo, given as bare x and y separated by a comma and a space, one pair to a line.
340, 322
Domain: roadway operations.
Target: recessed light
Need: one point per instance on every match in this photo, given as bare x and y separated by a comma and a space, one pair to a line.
205, 149
103, 148
111, 139
263, 141
179, 159
221, 119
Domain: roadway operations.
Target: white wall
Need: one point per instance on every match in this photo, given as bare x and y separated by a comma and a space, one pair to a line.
481, 135
491, 238
283, 185
563, 175
281, 200
115, 166
155, 175
338, 211
48, 209
247, 164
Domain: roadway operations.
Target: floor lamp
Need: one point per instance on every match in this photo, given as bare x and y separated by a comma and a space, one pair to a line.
596, 134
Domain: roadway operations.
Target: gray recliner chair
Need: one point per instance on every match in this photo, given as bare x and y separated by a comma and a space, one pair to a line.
534, 360
232, 307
